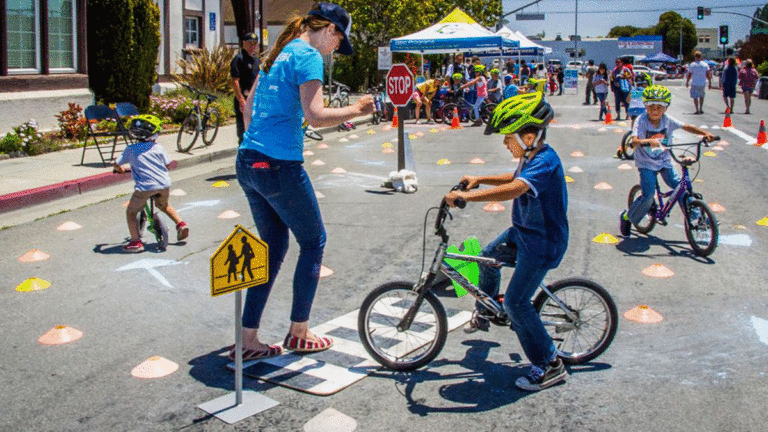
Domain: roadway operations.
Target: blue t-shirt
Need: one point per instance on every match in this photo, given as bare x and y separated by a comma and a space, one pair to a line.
654, 158
276, 120
540, 215
148, 162
510, 90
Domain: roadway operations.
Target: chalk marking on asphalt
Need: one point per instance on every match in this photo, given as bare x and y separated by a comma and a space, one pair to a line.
736, 240
761, 327
149, 265
209, 203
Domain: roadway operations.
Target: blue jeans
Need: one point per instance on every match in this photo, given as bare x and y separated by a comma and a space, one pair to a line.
529, 273
281, 198
476, 107
643, 203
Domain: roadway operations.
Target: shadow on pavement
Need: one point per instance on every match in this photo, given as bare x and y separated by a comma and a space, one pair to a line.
381, 192
636, 246
226, 177
211, 370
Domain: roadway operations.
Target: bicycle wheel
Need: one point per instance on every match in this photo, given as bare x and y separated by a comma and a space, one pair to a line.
587, 336
344, 100
211, 126
188, 133
701, 228
649, 221
448, 113
411, 349
161, 232
626, 148
313, 134
487, 112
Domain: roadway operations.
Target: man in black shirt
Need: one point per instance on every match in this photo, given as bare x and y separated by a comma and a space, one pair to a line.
243, 69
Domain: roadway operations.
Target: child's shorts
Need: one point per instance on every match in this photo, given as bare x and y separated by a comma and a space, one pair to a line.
139, 198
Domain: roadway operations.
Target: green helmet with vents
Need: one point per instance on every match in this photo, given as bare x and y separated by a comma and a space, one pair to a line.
644, 78
479, 68
657, 95
457, 76
494, 71
144, 126
519, 112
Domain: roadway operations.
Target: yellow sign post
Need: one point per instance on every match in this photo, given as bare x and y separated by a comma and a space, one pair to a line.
240, 262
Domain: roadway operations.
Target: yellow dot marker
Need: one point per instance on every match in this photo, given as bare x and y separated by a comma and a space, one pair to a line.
434, 130
443, 162
568, 179
763, 221
710, 154
387, 145
605, 238
33, 284
411, 136
221, 184
371, 132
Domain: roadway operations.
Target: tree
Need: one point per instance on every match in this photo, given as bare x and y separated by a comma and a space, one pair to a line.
376, 22
623, 31
668, 28
762, 14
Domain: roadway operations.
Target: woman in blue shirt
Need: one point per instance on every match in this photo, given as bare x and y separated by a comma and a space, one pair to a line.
269, 166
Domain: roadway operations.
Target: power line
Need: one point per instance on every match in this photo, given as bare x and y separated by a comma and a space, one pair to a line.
570, 12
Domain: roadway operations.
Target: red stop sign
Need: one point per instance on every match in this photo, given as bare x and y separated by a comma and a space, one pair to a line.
399, 85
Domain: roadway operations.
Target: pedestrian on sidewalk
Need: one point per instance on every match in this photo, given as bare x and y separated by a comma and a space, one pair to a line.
730, 76
149, 170
748, 80
698, 76
243, 70
269, 167
600, 81
590, 90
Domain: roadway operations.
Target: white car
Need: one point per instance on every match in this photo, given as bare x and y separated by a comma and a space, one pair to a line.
657, 75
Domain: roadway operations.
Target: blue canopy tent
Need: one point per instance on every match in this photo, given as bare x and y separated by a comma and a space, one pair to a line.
659, 57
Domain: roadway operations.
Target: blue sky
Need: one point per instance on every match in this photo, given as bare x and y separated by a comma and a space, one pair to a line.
560, 15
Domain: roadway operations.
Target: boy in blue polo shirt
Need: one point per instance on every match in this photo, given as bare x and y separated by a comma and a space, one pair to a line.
538, 237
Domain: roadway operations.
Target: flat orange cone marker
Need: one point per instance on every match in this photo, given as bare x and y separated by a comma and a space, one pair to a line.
319, 195
68, 226
325, 271
154, 367
608, 116
455, 120
576, 170
643, 314
34, 255
477, 161
716, 207
603, 186
494, 207
35, 284
761, 137
658, 271
308, 153
318, 163
605, 238
388, 150
394, 119
625, 166
577, 154
60, 334
339, 170
322, 146
177, 192
229, 214
727, 120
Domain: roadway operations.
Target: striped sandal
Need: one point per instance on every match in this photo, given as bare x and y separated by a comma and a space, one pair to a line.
297, 344
248, 355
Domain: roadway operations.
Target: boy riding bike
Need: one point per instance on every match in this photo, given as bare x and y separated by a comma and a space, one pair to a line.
149, 169
635, 97
538, 237
651, 132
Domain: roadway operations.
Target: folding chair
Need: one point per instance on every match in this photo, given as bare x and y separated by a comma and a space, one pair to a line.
93, 115
125, 109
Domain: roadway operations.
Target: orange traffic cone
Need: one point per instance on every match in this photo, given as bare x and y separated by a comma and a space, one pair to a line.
608, 116
761, 138
727, 121
455, 121
394, 119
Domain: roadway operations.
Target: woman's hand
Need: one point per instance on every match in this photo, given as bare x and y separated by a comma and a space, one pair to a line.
365, 104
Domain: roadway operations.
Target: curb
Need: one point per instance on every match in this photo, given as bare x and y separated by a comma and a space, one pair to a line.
43, 194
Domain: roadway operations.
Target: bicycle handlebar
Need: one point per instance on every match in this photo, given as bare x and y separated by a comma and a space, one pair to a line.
198, 91
444, 209
685, 161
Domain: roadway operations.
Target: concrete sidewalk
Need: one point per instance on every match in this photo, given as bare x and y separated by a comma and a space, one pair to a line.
30, 181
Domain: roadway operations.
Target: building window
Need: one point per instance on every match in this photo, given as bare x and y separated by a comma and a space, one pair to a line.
22, 43
61, 34
192, 32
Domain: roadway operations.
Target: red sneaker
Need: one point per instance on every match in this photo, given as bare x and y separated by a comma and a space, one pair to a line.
182, 231
134, 246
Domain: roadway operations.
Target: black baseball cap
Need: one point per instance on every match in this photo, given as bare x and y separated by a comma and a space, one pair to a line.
250, 37
339, 17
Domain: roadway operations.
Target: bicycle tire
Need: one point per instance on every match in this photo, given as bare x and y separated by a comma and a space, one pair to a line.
649, 221
448, 113
211, 126
627, 151
161, 232
313, 134
188, 133
379, 315
344, 100
487, 112
598, 319
705, 223
375, 118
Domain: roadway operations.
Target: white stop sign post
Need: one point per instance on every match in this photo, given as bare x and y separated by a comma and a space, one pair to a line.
400, 84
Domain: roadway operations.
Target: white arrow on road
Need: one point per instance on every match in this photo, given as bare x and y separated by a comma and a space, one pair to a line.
761, 327
209, 203
150, 265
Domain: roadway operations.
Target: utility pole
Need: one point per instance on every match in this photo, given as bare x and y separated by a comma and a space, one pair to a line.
576, 32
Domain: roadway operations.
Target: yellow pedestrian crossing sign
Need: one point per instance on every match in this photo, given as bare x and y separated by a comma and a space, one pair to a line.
240, 262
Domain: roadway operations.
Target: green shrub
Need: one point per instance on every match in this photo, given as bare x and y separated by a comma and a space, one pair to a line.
10, 143
45, 144
208, 70
28, 134
72, 123
762, 68
123, 41
174, 107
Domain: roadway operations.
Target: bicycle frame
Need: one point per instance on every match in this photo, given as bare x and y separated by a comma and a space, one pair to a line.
673, 196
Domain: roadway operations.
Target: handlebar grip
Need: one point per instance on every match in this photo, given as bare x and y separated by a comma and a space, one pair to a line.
460, 203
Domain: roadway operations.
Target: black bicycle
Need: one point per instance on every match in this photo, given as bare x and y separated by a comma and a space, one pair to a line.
403, 325
205, 121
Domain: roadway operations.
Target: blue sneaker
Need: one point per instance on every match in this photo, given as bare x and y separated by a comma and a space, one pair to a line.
624, 224
539, 379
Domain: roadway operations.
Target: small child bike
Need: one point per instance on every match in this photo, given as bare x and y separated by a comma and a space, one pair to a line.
700, 225
403, 325
150, 219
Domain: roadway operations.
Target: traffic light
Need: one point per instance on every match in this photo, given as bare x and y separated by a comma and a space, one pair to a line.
723, 35
700, 12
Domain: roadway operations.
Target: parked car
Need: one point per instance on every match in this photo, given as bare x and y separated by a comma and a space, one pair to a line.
657, 75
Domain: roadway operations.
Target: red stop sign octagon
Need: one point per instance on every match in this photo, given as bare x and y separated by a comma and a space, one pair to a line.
399, 84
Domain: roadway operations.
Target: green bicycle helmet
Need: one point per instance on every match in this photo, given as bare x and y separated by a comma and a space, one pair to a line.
480, 68
518, 112
643, 77
657, 95
144, 126
457, 76
494, 71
